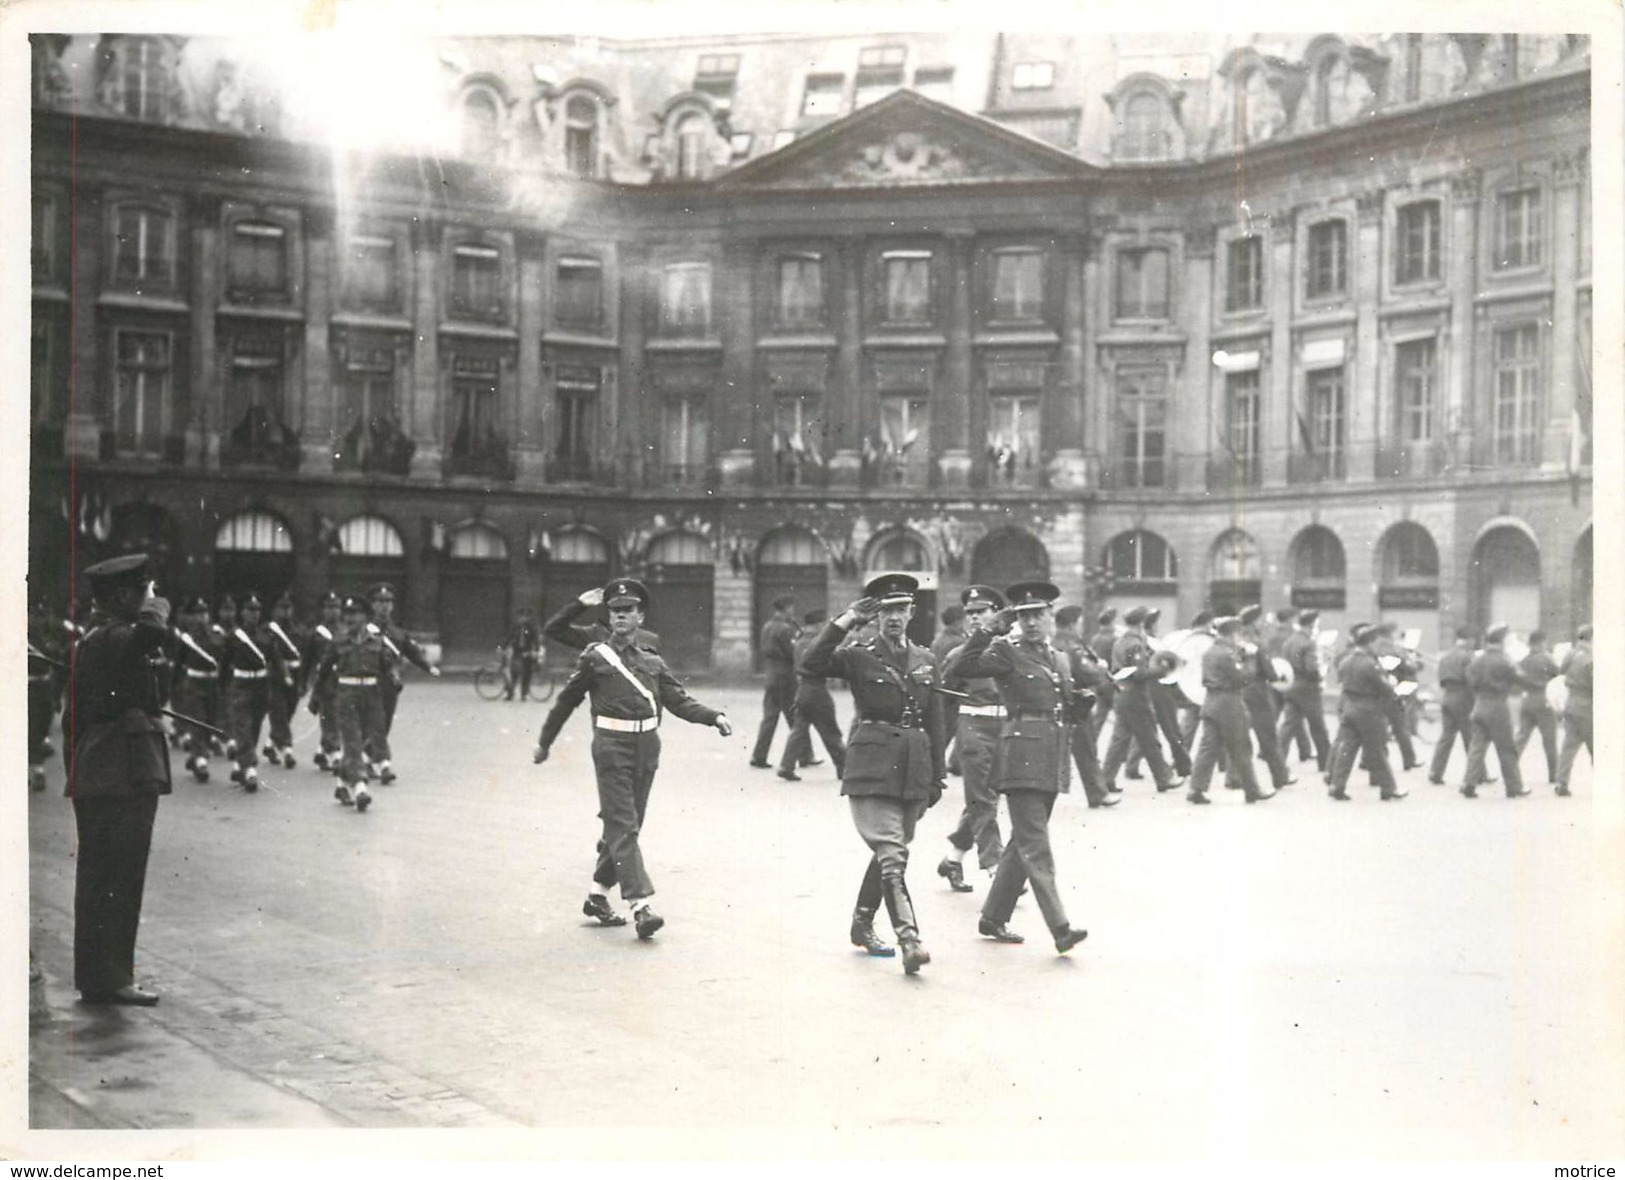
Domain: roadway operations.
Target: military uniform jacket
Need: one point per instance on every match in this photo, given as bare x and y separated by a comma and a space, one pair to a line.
250, 651
809, 688
1090, 677
1132, 651
317, 644
1300, 651
119, 747
1364, 682
1035, 681
896, 748
1103, 644
1492, 675
778, 649
1453, 667
944, 644
1576, 674
1537, 668
196, 651
978, 690
288, 641
614, 696
403, 646
356, 656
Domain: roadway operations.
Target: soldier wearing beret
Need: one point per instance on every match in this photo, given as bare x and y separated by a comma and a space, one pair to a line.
631, 691
248, 664
1493, 677
119, 768
289, 684
1455, 704
894, 762
1576, 673
1303, 712
321, 638
1040, 702
1363, 727
353, 671
1136, 719
1226, 673
814, 709
978, 720
406, 650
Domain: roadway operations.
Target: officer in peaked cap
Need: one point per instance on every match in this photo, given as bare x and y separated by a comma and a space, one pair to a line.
894, 762
977, 720
289, 684
119, 768
1134, 710
1367, 693
1493, 676
1040, 704
814, 709
631, 691
1302, 708
197, 683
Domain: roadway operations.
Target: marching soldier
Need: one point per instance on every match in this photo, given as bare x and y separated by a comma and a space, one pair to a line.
197, 683
1259, 697
321, 638
354, 668
814, 709
1094, 685
1455, 704
405, 649
1165, 703
1190, 713
779, 697
1492, 676
119, 768
1367, 691
1040, 701
1105, 637
1226, 672
1535, 713
631, 689
950, 637
1302, 709
288, 685
894, 762
1400, 664
980, 716
1136, 721
1576, 673
248, 665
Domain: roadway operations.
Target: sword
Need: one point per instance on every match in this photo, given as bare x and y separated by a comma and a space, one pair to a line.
181, 717
948, 692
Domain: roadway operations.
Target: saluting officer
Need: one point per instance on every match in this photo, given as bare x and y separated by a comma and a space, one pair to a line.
406, 650
1302, 707
197, 684
814, 709
317, 643
288, 685
1040, 701
1535, 713
1226, 672
894, 762
1576, 673
1367, 694
353, 670
1136, 721
1455, 704
248, 664
1492, 676
563, 629
119, 768
631, 689
979, 717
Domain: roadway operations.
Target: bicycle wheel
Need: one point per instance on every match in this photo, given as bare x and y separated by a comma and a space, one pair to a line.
489, 683
542, 686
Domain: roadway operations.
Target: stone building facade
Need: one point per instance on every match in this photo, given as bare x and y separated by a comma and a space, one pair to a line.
1185, 321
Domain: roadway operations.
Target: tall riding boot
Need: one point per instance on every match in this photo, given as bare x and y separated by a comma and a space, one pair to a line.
901, 910
863, 915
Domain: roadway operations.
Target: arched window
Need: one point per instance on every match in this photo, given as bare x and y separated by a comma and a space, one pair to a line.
899, 551
253, 532
691, 137
791, 546
1235, 558
1255, 108
1409, 555
481, 125
138, 78
1141, 556
580, 547
370, 536
1317, 556
477, 542
1009, 555
581, 115
1142, 131
681, 548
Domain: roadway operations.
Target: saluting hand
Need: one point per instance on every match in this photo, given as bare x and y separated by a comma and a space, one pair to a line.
724, 727
1002, 621
593, 597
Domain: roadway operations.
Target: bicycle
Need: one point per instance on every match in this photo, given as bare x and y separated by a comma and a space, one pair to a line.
495, 681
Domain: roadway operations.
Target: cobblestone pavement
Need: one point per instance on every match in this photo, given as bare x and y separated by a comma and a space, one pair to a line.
1298, 978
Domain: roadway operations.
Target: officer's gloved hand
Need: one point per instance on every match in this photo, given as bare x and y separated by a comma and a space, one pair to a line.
1002, 621
540, 755
593, 597
724, 726
155, 610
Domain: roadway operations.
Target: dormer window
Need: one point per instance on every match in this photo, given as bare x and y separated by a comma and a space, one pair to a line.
142, 78
1253, 108
716, 76
880, 71
1032, 75
691, 137
481, 124
1142, 129
581, 118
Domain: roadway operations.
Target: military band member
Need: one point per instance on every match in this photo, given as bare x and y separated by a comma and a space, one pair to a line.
321, 638
288, 685
405, 650
1165, 700
249, 661
1536, 713
1576, 673
631, 690
894, 761
1455, 704
814, 709
1303, 712
1259, 697
196, 691
1094, 685
1227, 669
1190, 713
979, 717
1404, 666
1040, 701
1364, 712
118, 769
353, 671
1136, 721
1104, 640
1493, 677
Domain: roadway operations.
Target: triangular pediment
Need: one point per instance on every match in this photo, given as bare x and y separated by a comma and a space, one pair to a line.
906, 140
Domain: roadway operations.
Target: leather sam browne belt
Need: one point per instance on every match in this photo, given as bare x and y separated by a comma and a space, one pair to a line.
627, 724
358, 681
981, 710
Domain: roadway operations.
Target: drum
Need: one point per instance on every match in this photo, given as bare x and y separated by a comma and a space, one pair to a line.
1557, 694
1516, 648
1192, 647
1284, 675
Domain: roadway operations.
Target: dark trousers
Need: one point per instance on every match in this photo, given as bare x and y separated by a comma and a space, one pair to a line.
1304, 715
1135, 722
327, 717
1224, 733
115, 836
778, 699
1166, 707
1261, 715
247, 702
360, 712
283, 699
1492, 726
1027, 858
41, 708
1362, 730
519, 673
1455, 720
1399, 723
391, 694
979, 821
1087, 761
814, 711
1537, 714
1576, 732
625, 764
